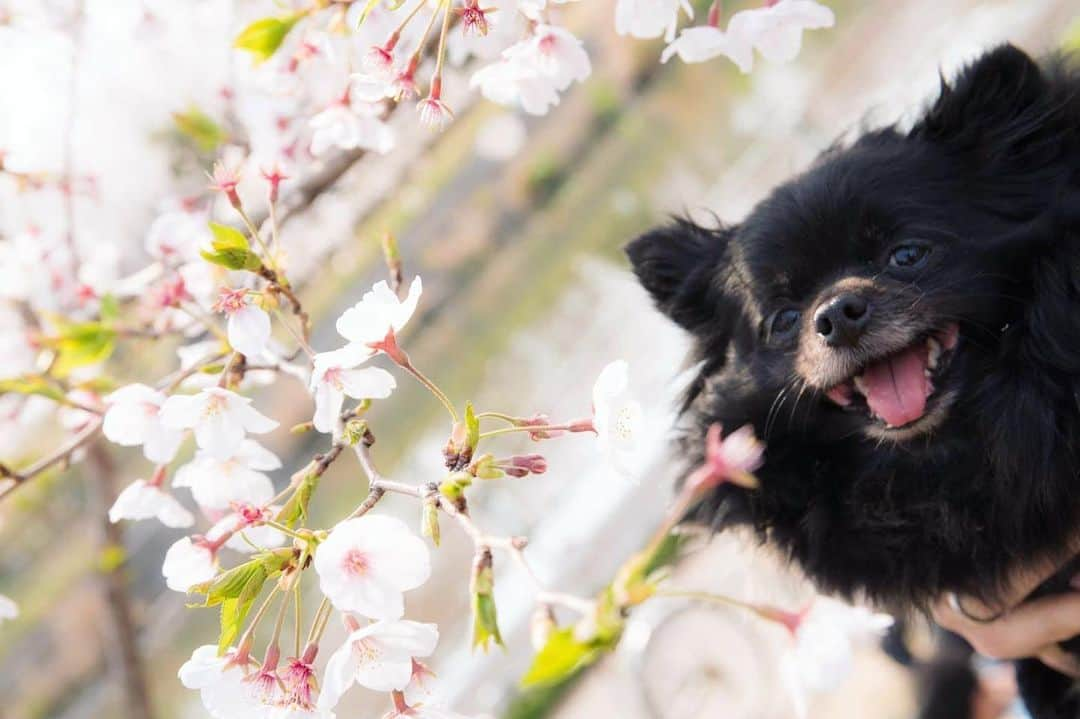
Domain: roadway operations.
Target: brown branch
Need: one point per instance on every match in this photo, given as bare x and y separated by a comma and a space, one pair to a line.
62, 454
123, 646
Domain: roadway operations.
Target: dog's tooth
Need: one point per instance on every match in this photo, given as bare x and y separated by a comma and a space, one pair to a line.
859, 384
933, 353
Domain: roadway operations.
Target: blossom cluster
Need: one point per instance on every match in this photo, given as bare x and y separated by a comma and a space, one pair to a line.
220, 296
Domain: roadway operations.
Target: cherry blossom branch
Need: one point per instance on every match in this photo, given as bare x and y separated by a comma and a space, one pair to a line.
62, 454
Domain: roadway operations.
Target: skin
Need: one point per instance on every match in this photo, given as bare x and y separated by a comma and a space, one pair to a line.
1029, 628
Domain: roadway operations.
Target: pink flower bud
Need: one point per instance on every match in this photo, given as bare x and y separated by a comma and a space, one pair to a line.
534, 463
730, 459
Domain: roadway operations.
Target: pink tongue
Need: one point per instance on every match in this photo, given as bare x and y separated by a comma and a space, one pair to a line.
896, 388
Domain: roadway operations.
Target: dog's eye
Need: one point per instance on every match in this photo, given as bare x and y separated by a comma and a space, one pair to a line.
908, 256
783, 323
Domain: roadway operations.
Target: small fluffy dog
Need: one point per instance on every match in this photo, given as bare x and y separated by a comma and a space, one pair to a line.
901, 324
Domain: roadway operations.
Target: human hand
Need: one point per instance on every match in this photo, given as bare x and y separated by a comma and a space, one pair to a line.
1018, 628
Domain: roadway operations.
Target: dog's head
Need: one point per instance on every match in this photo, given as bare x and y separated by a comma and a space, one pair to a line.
864, 281
897, 313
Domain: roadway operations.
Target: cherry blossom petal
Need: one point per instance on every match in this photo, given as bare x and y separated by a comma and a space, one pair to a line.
187, 564
140, 500
249, 330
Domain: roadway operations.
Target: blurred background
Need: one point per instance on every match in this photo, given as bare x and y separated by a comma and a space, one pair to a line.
515, 224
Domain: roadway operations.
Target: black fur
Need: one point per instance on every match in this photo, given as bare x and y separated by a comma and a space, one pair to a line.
989, 179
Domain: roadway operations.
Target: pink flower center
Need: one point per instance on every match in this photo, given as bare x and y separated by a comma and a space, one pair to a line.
231, 301
356, 563
547, 44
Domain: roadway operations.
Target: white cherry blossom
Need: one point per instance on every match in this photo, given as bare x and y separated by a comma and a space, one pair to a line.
378, 657
143, 500
823, 653
220, 683
617, 418
534, 71
698, 44
218, 483
776, 31
349, 126
133, 418
248, 326
378, 313
219, 417
188, 563
335, 376
176, 236
367, 563
650, 18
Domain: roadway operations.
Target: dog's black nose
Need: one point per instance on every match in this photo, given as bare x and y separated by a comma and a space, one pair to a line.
842, 320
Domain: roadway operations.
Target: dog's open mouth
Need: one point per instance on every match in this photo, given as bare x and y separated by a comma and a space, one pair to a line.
897, 389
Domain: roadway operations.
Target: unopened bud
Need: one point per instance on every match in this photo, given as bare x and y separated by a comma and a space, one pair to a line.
429, 521
393, 261
534, 463
355, 431
485, 467
541, 625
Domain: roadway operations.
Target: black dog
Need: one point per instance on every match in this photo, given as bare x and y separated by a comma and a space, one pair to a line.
901, 324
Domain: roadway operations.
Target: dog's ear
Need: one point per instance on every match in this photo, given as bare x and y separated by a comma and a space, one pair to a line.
991, 107
678, 265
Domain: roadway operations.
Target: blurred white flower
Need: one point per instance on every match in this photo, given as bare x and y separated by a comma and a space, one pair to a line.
534, 71
334, 377
378, 313
617, 418
512, 83
378, 656
142, 500
220, 683
366, 564
248, 325
133, 418
188, 563
821, 657
349, 126
776, 31
176, 236
219, 417
698, 44
218, 483
8, 608
650, 18
17, 353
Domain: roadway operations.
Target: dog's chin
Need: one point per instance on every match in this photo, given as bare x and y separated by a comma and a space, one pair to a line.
902, 394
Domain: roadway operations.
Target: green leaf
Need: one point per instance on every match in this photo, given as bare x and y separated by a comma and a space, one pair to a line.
559, 658
485, 622
232, 583
262, 38
296, 508
110, 308
80, 344
237, 591
485, 616
31, 384
472, 427
200, 128
230, 249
